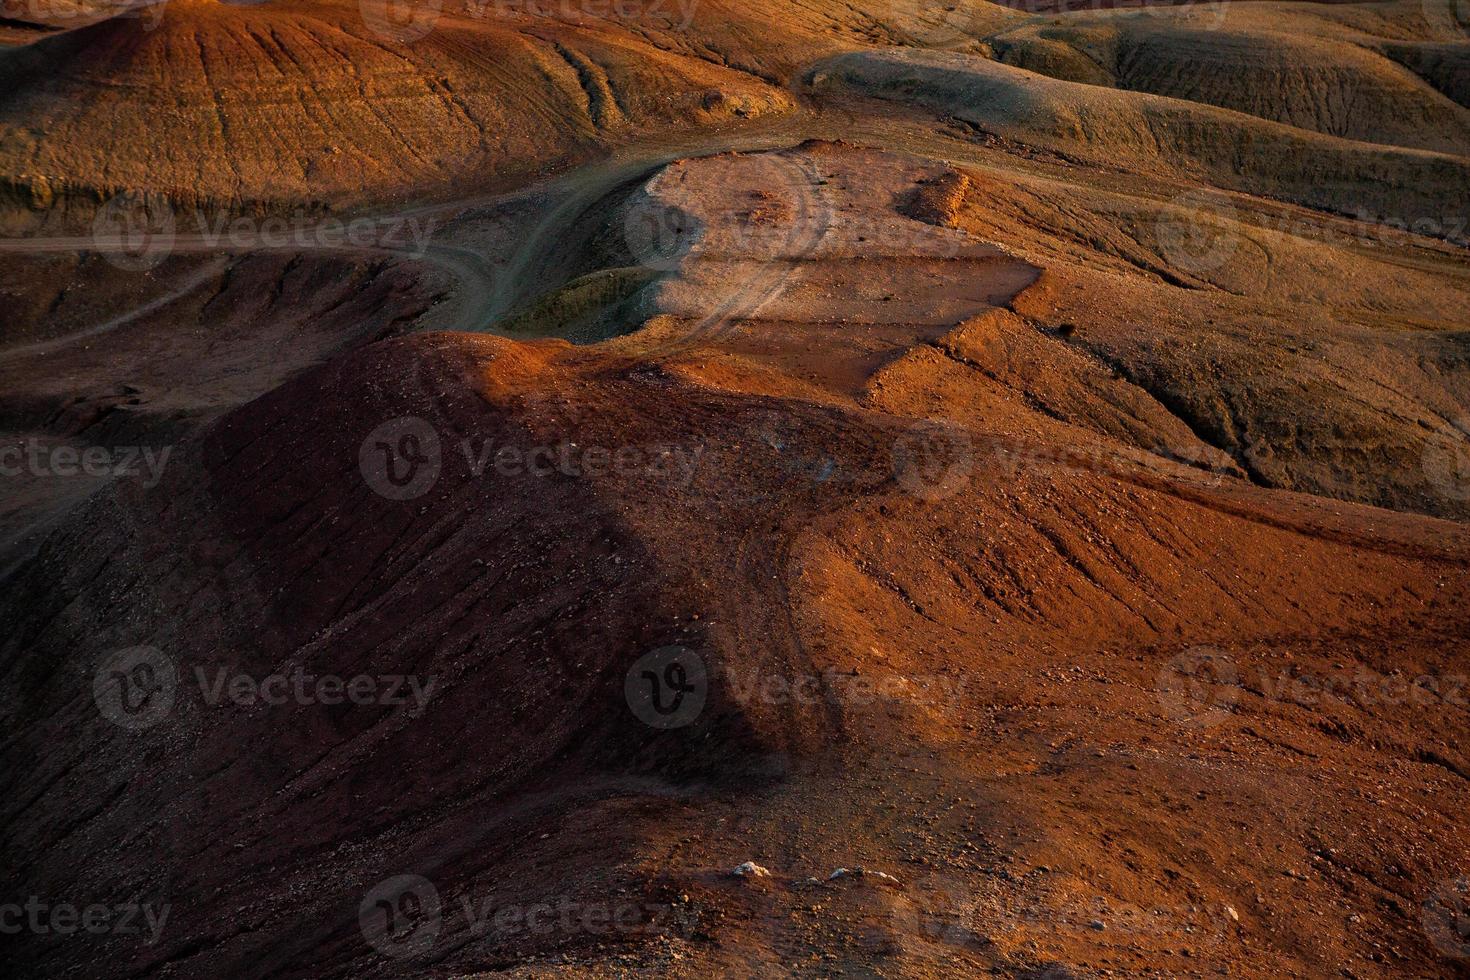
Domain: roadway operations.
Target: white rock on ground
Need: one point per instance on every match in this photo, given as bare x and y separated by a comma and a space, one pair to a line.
750, 870
861, 873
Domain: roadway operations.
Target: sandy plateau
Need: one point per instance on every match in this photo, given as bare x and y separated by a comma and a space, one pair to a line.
1020, 457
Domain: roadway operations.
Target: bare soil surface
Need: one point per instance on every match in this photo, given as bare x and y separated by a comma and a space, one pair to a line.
1021, 458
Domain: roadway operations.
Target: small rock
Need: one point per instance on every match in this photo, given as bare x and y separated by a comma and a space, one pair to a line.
861, 873
1234, 915
750, 870
1097, 924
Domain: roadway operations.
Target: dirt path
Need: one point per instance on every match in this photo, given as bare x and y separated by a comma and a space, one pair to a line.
490, 288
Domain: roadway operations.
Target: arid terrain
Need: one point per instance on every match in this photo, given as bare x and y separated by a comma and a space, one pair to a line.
606, 488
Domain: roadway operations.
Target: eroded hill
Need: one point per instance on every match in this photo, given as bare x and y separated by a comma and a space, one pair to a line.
1035, 474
